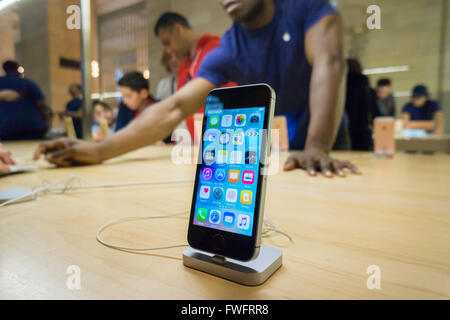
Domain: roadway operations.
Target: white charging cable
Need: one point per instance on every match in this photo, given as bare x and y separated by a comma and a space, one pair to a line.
36, 191
125, 219
74, 183
269, 229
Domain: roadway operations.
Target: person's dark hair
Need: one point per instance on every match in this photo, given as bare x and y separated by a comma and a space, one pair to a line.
135, 81
420, 91
168, 20
103, 104
354, 66
384, 82
11, 66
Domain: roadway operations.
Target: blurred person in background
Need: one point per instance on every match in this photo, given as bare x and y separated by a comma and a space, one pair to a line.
168, 86
23, 113
103, 113
74, 109
385, 106
423, 113
136, 95
360, 101
183, 43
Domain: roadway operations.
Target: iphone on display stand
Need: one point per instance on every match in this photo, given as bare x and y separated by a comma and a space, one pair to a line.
227, 211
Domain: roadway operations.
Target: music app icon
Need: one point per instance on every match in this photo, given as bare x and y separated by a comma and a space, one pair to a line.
207, 173
243, 222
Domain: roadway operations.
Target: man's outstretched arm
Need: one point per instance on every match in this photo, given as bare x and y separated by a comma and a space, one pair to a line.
323, 45
154, 124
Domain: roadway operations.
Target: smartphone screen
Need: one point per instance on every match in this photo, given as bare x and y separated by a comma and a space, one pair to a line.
229, 172
229, 192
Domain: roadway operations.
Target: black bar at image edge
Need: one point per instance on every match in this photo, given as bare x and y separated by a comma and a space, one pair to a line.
232, 309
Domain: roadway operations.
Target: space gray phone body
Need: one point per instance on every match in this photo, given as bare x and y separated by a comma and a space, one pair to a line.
244, 103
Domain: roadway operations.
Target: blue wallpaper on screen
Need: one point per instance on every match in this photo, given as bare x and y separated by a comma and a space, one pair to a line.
229, 174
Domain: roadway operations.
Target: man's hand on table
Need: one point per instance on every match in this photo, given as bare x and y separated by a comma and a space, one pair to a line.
316, 160
5, 159
67, 152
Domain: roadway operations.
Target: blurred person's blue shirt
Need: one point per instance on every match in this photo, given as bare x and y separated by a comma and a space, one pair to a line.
274, 54
424, 113
124, 117
21, 119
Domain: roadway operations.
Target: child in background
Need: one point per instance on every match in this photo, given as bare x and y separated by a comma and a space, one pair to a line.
103, 116
135, 90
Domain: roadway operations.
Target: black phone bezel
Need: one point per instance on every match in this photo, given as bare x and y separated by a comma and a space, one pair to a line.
224, 243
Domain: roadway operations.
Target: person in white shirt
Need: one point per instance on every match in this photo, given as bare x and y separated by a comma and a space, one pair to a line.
168, 85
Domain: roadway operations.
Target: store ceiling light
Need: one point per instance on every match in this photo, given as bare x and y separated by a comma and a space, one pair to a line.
6, 3
386, 70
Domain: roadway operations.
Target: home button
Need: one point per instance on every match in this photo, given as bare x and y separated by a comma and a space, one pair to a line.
218, 242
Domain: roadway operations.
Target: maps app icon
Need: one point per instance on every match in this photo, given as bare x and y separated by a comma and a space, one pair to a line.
211, 135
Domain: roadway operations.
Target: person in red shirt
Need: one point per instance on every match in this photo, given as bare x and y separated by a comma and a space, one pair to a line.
179, 39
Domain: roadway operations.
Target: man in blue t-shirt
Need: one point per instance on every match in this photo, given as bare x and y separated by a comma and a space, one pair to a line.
293, 45
423, 113
22, 117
